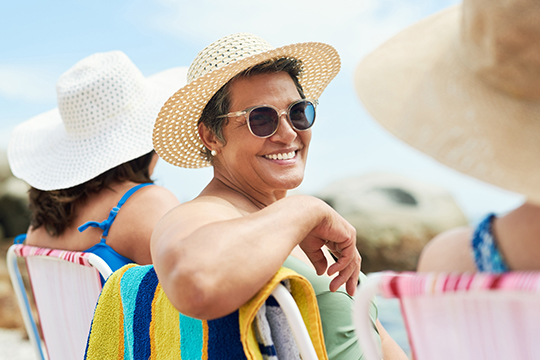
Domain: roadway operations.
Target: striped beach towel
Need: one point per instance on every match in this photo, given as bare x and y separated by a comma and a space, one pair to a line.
135, 320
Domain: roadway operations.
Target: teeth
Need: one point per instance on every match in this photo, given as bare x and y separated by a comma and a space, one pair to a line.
284, 156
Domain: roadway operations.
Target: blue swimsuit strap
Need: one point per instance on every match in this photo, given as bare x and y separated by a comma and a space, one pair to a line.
106, 224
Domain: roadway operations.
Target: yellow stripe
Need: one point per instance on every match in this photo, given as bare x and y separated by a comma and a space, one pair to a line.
164, 328
307, 303
106, 339
205, 340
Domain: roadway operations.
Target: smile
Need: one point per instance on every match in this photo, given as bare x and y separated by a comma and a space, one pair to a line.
284, 156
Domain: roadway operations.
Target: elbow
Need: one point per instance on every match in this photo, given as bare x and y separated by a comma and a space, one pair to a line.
191, 293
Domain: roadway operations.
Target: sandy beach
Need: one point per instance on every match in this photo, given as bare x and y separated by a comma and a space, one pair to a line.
14, 347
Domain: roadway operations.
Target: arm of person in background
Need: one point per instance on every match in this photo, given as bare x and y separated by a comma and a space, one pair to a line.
448, 251
390, 348
211, 260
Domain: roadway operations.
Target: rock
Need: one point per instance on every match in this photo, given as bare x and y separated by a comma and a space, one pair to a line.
5, 171
14, 213
394, 217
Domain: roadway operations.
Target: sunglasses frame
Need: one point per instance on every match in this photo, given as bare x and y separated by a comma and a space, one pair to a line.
286, 112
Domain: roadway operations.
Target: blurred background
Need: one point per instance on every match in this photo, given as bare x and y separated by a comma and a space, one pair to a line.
395, 196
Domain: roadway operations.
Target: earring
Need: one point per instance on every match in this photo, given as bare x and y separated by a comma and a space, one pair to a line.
213, 152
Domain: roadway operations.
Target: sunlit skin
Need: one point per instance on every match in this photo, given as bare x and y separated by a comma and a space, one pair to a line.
241, 163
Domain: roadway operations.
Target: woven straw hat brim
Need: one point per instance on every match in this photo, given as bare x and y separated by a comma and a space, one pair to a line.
419, 88
44, 155
176, 137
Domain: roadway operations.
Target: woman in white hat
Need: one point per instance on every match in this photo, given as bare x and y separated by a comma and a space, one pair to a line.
89, 161
463, 86
247, 110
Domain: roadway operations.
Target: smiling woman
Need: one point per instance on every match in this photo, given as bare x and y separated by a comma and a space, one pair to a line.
244, 112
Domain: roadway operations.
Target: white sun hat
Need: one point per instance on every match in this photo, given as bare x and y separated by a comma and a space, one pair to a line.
105, 116
463, 86
176, 138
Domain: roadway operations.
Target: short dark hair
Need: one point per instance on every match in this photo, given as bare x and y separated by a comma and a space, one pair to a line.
56, 209
219, 104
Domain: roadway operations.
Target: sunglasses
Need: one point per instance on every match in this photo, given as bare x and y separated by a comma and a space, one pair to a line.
263, 120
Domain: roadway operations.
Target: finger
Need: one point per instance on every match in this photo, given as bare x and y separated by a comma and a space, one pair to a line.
352, 284
344, 260
337, 282
343, 277
318, 260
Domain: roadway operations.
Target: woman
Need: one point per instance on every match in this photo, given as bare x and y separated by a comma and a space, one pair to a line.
247, 111
466, 91
86, 158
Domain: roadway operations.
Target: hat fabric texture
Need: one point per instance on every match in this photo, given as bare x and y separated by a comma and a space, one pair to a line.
105, 116
176, 137
463, 86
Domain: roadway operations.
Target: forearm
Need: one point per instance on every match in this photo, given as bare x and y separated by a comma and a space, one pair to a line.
221, 265
390, 348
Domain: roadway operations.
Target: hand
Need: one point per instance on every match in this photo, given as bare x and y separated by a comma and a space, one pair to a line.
340, 237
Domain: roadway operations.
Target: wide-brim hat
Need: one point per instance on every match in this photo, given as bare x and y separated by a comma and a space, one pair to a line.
463, 86
105, 116
176, 137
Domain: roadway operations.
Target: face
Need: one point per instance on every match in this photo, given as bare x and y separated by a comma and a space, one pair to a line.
248, 161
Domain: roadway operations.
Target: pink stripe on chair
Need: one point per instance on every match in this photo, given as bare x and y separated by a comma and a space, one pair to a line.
76, 257
414, 284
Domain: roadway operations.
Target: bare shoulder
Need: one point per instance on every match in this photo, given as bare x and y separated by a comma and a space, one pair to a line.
132, 229
198, 212
448, 251
148, 205
155, 195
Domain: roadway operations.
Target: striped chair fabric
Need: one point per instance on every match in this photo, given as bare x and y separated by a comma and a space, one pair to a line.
460, 315
66, 286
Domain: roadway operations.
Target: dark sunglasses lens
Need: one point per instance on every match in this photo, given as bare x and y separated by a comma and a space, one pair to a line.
302, 115
263, 121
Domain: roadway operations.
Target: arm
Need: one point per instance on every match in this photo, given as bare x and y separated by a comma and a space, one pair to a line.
448, 251
390, 349
211, 260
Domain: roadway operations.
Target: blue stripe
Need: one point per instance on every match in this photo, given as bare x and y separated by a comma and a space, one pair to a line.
224, 338
129, 285
267, 350
143, 311
191, 337
28, 309
271, 301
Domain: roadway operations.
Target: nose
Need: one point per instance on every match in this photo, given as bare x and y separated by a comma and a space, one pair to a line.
285, 132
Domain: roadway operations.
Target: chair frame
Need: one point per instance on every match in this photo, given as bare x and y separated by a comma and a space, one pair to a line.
296, 322
22, 298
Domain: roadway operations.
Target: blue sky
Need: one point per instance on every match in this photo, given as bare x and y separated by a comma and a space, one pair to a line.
42, 39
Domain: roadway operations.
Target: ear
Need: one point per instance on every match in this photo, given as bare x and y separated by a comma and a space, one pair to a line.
209, 139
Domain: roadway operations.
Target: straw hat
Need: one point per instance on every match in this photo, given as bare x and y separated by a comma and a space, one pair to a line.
176, 138
463, 86
105, 115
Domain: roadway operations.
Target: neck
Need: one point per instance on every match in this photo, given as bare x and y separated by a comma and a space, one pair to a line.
245, 198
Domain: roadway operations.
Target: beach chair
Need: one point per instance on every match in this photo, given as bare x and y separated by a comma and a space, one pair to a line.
458, 316
296, 322
66, 286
